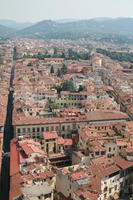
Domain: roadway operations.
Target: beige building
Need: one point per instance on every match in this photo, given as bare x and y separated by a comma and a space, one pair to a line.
72, 99
50, 142
34, 127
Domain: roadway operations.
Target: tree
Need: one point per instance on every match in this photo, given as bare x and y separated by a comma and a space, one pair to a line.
64, 69
58, 88
63, 55
24, 56
40, 56
68, 86
54, 169
71, 169
1, 61
131, 67
52, 70
15, 53
73, 55
54, 106
29, 64
55, 51
58, 72
127, 57
81, 88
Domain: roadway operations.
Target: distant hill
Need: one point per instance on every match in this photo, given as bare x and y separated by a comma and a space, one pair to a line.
110, 29
6, 32
51, 29
15, 25
66, 20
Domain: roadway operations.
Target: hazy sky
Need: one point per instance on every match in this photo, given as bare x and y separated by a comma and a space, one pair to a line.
35, 10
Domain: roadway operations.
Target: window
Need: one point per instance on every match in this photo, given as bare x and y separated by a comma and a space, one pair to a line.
97, 153
115, 187
42, 129
109, 149
74, 126
47, 128
110, 189
47, 148
33, 129
18, 130
63, 128
38, 129
105, 189
92, 155
56, 128
28, 130
52, 128
23, 130
47, 196
54, 149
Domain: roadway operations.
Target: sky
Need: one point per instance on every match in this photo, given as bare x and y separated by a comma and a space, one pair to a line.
37, 10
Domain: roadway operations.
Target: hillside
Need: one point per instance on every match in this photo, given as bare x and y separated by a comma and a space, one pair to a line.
15, 25
82, 28
5, 31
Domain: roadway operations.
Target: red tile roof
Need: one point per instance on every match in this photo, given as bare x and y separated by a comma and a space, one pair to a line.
122, 163
28, 150
60, 140
79, 175
14, 159
85, 194
50, 135
68, 142
15, 186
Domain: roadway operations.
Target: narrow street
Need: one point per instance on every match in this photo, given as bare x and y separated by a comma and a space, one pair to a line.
8, 134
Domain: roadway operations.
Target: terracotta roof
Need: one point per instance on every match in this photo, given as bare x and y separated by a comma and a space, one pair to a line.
79, 175
122, 163
91, 117
15, 186
50, 135
86, 194
60, 140
27, 149
14, 159
68, 142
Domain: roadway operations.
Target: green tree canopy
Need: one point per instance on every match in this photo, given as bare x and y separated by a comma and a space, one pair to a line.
81, 88
68, 86
55, 51
29, 64
52, 70
120, 56
1, 60
54, 105
58, 72
131, 66
64, 69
